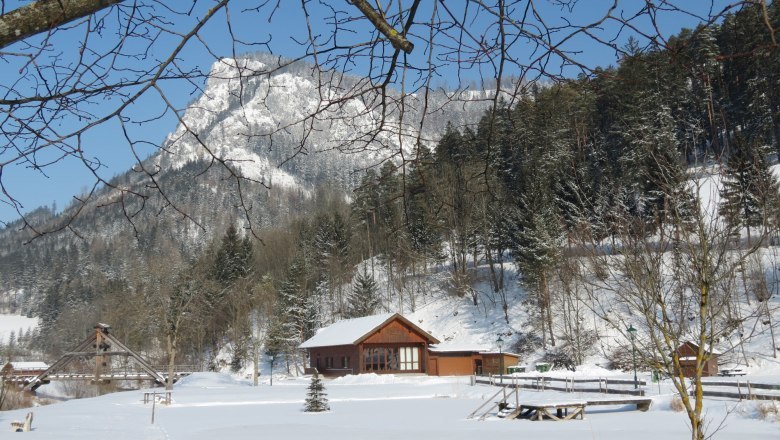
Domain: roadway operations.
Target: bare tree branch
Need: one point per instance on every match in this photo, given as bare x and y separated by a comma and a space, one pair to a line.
45, 15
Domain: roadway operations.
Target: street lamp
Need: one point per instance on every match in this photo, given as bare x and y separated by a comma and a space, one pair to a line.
273, 357
632, 335
500, 343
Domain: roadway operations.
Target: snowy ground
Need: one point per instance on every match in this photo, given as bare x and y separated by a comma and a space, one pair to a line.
214, 406
14, 323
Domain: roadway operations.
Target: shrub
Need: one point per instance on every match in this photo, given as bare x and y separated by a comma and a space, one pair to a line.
769, 411
621, 358
13, 398
676, 404
560, 358
526, 343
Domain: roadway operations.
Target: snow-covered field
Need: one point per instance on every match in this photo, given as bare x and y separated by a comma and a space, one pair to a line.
14, 323
212, 406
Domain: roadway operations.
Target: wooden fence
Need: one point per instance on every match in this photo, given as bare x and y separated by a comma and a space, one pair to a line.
596, 385
741, 389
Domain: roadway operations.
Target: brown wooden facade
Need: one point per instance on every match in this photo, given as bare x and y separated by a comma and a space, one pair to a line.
455, 363
468, 362
395, 346
687, 354
492, 362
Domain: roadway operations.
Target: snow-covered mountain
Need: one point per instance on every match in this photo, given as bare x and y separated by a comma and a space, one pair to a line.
290, 125
250, 150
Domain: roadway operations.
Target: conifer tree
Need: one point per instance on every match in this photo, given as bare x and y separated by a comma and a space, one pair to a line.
749, 192
233, 259
316, 398
363, 300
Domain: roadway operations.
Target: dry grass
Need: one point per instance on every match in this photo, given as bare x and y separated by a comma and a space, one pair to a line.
676, 404
769, 410
16, 399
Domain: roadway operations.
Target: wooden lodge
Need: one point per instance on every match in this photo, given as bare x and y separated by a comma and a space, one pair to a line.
381, 344
391, 344
687, 354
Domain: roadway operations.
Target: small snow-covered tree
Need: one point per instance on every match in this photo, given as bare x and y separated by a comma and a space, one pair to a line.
316, 398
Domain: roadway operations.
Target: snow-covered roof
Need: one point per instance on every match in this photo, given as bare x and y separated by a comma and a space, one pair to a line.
351, 331
456, 348
508, 353
707, 347
29, 365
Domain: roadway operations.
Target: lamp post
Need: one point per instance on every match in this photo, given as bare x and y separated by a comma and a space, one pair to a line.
500, 343
632, 335
273, 357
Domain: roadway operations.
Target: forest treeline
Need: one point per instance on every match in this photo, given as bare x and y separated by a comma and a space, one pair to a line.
567, 167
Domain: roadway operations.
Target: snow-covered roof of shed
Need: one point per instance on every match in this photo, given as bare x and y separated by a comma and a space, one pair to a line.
707, 347
351, 331
29, 365
456, 348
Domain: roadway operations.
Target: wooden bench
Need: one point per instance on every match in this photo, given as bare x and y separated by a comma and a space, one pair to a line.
25, 426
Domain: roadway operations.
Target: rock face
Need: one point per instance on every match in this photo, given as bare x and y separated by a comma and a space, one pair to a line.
251, 149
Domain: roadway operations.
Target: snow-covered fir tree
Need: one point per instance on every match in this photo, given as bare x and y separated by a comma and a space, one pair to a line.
316, 398
363, 300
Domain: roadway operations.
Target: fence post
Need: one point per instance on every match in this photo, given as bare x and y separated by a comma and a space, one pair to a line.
750, 391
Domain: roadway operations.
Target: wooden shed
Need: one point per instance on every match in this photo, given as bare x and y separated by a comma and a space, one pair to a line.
453, 360
492, 362
687, 354
387, 343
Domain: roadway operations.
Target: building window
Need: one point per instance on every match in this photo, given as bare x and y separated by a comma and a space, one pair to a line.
409, 358
345, 362
391, 359
329, 362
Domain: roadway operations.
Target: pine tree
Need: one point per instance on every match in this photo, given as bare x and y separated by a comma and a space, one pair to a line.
234, 257
363, 301
316, 398
749, 192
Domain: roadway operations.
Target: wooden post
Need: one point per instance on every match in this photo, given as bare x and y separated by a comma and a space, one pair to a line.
98, 358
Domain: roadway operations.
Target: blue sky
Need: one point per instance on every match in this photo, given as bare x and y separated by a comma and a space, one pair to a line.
59, 183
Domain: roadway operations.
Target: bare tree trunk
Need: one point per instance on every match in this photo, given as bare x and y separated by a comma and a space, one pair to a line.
548, 307
172, 348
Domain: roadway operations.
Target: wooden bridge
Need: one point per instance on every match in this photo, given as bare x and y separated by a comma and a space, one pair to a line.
105, 375
99, 349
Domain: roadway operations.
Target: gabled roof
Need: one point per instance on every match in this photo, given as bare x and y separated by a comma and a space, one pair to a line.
354, 331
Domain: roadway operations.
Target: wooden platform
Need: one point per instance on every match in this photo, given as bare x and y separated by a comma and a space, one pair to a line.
543, 409
642, 404
563, 411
